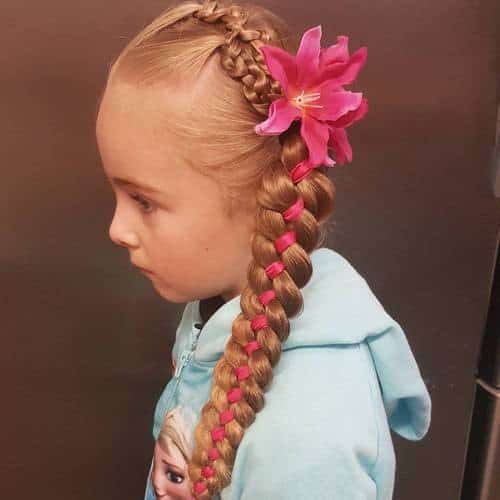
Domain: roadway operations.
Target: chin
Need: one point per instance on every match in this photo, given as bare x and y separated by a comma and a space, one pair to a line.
169, 295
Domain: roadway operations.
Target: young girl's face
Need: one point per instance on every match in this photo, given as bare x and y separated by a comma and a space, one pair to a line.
169, 475
169, 217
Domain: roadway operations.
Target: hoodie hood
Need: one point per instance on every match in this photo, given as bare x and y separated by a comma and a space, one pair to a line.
339, 308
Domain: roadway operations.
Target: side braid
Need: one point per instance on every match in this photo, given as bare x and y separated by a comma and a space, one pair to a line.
292, 204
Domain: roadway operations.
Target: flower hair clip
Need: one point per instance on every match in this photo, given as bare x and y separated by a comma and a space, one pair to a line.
312, 82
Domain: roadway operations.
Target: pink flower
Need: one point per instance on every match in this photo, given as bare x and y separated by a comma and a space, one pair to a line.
312, 86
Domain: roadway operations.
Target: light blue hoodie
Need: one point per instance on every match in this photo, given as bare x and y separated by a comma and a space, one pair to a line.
346, 376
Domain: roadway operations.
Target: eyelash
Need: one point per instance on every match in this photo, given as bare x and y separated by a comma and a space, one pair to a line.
141, 201
170, 474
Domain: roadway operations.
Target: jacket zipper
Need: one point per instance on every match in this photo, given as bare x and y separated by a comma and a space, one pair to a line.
184, 360
185, 357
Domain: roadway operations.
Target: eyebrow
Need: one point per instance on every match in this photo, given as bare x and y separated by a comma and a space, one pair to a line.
124, 182
174, 466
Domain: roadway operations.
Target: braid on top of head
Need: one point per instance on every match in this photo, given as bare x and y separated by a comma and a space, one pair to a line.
287, 229
240, 56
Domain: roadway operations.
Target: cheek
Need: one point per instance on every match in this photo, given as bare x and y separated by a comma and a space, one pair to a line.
195, 248
191, 233
216, 233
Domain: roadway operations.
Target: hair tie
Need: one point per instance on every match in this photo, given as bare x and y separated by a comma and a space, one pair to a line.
272, 270
267, 296
207, 471
242, 372
300, 171
226, 416
213, 454
258, 322
284, 241
252, 346
218, 433
234, 395
293, 211
200, 486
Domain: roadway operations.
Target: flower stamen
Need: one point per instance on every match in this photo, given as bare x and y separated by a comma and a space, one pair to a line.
305, 100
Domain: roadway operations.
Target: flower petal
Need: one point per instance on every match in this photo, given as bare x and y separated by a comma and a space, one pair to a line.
281, 65
281, 115
352, 116
335, 53
335, 56
335, 103
340, 144
343, 73
307, 58
315, 135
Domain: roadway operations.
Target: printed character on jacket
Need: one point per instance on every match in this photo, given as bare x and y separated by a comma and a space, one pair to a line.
172, 452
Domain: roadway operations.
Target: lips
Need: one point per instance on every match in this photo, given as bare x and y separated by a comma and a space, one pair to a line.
141, 268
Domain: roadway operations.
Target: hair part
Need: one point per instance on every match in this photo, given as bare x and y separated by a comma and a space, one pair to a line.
180, 45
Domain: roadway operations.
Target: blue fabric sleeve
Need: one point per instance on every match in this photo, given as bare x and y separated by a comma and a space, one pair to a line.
406, 399
317, 435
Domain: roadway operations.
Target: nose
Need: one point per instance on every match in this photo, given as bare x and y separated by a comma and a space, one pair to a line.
120, 231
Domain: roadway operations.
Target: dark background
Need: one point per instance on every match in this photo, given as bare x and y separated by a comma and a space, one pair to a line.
85, 339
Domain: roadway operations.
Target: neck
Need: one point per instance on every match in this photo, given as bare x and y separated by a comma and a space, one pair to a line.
209, 306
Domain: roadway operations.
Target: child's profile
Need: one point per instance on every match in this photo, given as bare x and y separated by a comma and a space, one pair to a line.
215, 131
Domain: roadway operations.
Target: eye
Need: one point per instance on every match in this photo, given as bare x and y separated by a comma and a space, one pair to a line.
175, 478
145, 204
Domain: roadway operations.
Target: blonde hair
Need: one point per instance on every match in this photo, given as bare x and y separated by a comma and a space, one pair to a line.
177, 429
254, 171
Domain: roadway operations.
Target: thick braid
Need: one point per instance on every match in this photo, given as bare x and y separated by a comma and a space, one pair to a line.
291, 205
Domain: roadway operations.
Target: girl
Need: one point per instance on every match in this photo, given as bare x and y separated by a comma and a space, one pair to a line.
215, 131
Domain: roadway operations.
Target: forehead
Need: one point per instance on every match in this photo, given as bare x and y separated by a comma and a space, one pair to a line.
168, 448
134, 132
138, 135
151, 113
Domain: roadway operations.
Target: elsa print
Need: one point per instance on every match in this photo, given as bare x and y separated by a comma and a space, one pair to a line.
172, 452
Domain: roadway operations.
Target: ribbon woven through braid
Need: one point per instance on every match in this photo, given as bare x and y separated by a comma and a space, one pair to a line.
306, 87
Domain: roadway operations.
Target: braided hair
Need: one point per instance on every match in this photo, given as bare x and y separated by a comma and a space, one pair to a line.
291, 212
